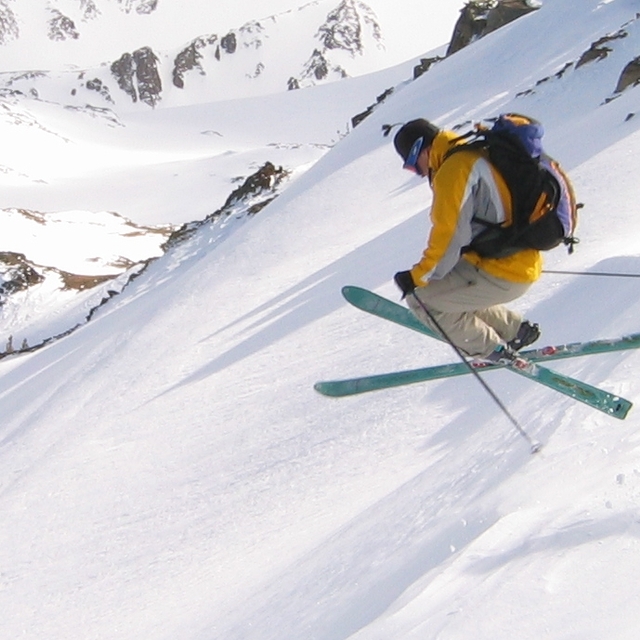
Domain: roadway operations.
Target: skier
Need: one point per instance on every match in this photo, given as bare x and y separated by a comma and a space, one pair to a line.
462, 291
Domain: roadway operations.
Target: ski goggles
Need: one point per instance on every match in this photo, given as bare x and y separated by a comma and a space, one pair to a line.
411, 163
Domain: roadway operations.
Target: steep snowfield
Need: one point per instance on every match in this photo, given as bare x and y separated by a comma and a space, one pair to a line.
167, 471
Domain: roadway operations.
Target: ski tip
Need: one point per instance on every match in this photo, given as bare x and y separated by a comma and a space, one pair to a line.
326, 389
350, 289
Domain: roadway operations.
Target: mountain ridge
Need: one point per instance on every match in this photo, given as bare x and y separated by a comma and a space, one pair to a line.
344, 31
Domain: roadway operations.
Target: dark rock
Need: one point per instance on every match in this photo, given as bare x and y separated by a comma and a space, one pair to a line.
137, 75
470, 25
229, 42
190, 58
8, 24
123, 71
317, 66
344, 27
598, 49
97, 85
357, 119
506, 11
140, 6
89, 9
255, 193
147, 76
186, 60
61, 27
630, 76
16, 273
480, 17
265, 179
424, 66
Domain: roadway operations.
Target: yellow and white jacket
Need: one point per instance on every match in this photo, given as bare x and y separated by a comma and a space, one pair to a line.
467, 187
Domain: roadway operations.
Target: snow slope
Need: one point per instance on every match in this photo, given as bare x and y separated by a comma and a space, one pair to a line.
167, 471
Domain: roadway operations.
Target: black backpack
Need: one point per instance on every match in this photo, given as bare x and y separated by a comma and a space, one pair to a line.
542, 198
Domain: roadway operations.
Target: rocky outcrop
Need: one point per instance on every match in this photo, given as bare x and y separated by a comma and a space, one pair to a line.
251, 34
319, 68
8, 24
343, 30
89, 9
599, 49
256, 192
16, 273
123, 71
137, 75
348, 31
470, 25
424, 65
344, 26
480, 17
630, 76
139, 6
61, 27
357, 119
507, 11
147, 76
190, 58
253, 195
97, 85
229, 43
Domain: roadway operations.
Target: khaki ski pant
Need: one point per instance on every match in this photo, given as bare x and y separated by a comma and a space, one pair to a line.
467, 304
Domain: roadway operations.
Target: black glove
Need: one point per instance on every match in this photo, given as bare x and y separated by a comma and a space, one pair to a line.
405, 282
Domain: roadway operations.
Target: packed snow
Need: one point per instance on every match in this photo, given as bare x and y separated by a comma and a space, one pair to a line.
168, 471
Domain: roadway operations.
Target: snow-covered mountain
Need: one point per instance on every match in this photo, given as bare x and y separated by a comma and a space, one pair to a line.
322, 41
84, 34
167, 470
62, 127
72, 31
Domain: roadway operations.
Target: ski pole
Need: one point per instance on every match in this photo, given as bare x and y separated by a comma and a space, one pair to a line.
535, 446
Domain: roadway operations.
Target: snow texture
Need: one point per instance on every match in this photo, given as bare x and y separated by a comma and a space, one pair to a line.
167, 470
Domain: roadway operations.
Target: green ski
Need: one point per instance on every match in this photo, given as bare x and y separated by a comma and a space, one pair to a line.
383, 308
597, 398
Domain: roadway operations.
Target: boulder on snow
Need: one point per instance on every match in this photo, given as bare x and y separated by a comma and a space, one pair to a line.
630, 75
480, 17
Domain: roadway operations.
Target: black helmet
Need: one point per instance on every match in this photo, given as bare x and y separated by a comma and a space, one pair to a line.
410, 132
